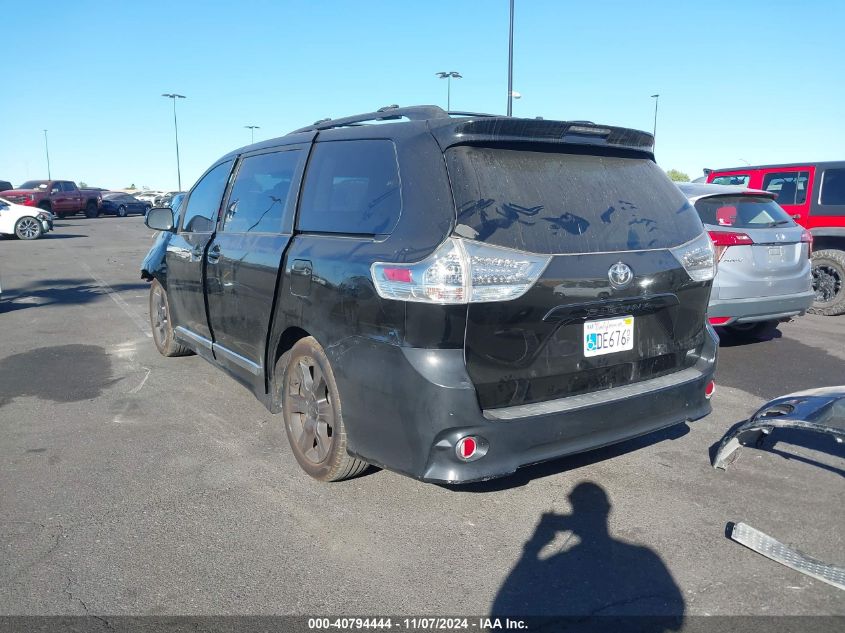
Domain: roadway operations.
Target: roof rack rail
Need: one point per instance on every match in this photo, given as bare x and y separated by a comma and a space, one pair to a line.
464, 113
387, 113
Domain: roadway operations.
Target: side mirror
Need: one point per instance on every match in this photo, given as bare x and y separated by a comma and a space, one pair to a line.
160, 219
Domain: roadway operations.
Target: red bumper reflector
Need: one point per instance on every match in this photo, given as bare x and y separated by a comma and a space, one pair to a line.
466, 447
710, 389
402, 275
719, 320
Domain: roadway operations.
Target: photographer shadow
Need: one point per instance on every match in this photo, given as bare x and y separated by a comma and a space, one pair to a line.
573, 573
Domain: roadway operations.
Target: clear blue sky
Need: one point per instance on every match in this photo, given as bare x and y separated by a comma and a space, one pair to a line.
762, 81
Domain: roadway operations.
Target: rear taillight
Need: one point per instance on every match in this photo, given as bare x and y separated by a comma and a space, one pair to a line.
698, 258
723, 239
807, 237
461, 271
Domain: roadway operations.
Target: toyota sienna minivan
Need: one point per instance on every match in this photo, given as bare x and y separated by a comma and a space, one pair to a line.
449, 297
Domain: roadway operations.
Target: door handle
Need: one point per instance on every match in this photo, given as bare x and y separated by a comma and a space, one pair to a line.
301, 267
213, 254
796, 216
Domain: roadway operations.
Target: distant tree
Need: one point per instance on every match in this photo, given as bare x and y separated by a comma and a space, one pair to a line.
677, 176
132, 186
82, 184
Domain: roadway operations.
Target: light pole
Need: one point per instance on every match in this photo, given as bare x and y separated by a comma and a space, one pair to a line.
252, 129
510, 65
174, 96
47, 150
448, 77
654, 131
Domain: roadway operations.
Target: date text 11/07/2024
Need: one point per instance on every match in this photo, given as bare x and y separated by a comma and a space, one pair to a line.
417, 624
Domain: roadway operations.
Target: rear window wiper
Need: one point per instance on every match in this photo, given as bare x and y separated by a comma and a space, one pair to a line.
775, 223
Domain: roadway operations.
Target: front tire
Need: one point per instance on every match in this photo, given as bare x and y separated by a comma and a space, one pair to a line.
121, 211
161, 323
28, 228
829, 282
311, 408
91, 210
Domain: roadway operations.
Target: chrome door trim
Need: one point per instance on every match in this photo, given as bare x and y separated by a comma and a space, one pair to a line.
237, 359
193, 337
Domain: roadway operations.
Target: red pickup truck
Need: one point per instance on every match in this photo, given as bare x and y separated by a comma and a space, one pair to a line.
62, 197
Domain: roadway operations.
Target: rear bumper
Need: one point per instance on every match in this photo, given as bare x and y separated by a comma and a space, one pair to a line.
761, 308
411, 418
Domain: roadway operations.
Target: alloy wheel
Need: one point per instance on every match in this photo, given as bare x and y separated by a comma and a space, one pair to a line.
159, 317
826, 282
311, 411
28, 228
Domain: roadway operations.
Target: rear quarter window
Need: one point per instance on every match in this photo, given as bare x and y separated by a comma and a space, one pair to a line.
833, 187
552, 202
736, 179
351, 187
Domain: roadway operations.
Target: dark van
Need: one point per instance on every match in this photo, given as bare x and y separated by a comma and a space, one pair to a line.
447, 297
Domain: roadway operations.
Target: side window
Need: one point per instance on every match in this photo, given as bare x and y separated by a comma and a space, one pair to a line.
791, 186
737, 179
68, 186
261, 192
204, 202
56, 188
351, 187
833, 187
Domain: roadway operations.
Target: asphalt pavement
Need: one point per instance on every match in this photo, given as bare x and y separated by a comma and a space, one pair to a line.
136, 484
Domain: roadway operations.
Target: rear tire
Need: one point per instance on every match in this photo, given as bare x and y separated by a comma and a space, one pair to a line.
28, 228
829, 282
91, 210
311, 408
121, 211
162, 325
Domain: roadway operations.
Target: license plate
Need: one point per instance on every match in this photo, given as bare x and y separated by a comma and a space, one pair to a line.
608, 336
776, 253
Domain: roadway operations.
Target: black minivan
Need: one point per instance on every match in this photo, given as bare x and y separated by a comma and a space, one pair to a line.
450, 297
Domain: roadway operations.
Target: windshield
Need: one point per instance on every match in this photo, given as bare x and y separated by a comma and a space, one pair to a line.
35, 184
742, 212
551, 202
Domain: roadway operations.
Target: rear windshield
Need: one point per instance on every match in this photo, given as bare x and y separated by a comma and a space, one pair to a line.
742, 212
34, 184
551, 202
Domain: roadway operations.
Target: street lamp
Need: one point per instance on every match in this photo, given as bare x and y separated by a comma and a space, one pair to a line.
252, 129
510, 65
47, 150
448, 77
174, 96
654, 132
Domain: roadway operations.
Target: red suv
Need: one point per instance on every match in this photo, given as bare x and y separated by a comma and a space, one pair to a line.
814, 195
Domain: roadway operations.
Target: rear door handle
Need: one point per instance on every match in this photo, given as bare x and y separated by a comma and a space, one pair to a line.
796, 216
213, 254
301, 267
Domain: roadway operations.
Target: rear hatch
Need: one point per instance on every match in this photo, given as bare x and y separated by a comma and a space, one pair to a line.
597, 213
761, 251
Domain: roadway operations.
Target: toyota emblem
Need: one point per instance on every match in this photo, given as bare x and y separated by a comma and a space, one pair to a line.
620, 275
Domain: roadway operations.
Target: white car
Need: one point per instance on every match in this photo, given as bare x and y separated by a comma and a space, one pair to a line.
148, 196
26, 223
